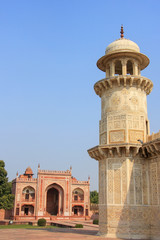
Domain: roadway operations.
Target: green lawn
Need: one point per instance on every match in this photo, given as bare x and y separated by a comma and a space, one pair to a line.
23, 226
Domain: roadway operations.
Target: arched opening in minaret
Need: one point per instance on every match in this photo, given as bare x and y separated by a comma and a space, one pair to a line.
129, 67
118, 67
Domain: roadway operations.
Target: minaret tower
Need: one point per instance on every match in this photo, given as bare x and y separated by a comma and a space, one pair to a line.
123, 128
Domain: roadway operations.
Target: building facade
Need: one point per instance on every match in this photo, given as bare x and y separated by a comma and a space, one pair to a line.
52, 195
129, 157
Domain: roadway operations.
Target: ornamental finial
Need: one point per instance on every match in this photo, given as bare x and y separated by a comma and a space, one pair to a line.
122, 32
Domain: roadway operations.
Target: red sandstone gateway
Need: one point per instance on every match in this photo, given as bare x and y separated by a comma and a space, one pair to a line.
52, 195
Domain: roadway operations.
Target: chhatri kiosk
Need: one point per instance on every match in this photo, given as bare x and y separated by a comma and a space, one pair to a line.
129, 157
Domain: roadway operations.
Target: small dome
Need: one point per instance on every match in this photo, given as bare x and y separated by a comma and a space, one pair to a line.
28, 171
122, 48
122, 44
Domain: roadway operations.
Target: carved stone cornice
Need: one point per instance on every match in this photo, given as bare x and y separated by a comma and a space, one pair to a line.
130, 80
151, 149
110, 151
96, 153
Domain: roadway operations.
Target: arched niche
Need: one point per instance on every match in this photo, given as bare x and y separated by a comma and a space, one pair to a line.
28, 193
78, 195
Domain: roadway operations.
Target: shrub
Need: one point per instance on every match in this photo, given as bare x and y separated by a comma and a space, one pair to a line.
41, 222
96, 221
78, 226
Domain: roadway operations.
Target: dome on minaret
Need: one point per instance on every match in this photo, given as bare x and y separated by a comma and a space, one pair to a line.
121, 45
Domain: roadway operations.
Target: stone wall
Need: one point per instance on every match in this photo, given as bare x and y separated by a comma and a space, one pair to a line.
5, 214
129, 197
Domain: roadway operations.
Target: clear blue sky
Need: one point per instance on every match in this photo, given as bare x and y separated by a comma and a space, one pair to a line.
48, 53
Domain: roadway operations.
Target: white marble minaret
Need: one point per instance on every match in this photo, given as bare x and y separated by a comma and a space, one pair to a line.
125, 201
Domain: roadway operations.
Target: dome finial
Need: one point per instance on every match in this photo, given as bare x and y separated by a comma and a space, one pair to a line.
122, 32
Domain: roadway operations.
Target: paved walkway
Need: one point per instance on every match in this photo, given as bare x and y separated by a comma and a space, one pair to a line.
88, 232
50, 234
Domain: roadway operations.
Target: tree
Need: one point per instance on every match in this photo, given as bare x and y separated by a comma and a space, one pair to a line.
94, 197
6, 196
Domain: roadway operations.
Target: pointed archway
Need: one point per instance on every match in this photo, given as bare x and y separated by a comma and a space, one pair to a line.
54, 199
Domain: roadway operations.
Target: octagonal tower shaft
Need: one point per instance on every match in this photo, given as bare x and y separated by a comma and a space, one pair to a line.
123, 100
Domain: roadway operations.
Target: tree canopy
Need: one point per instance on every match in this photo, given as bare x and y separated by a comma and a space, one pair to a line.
94, 197
6, 196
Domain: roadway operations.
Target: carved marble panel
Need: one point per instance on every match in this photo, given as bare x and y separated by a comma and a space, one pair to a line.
103, 125
117, 183
117, 136
136, 124
134, 100
124, 182
117, 124
130, 125
142, 122
123, 116
110, 118
134, 135
117, 117
138, 184
110, 182
103, 138
145, 185
115, 101
136, 118
123, 123
154, 182
131, 185
130, 117
110, 125
102, 178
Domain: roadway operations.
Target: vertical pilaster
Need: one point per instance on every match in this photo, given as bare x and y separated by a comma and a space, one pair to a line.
124, 67
112, 69
107, 73
135, 68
